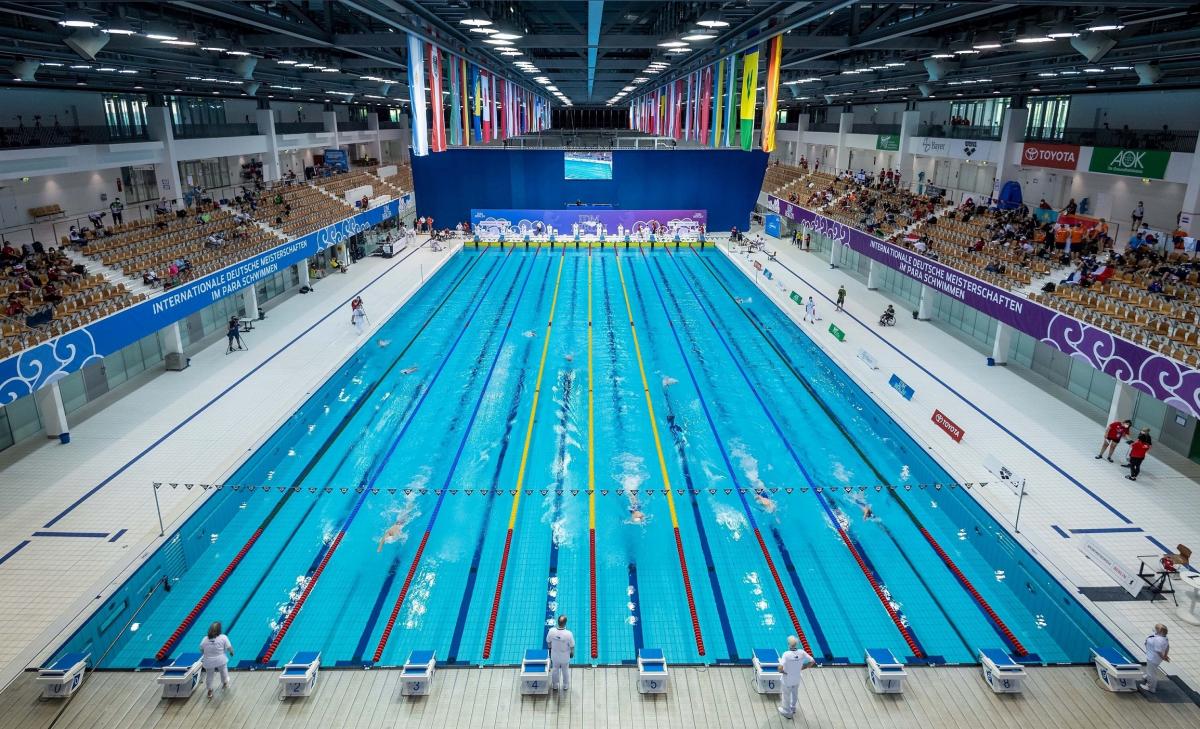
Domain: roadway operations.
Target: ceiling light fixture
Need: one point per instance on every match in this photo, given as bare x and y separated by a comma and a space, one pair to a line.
119, 28
216, 49
942, 54
712, 19
1032, 34
238, 52
986, 41
1106, 21
185, 43
505, 35
483, 30
1093, 70
1062, 29
160, 32
475, 17
965, 51
493, 40
671, 43
698, 35
77, 20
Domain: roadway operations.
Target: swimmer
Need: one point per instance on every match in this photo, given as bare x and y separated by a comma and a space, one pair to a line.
744, 300
395, 532
384, 342
570, 358
636, 515
868, 514
668, 381
765, 502
408, 370
528, 334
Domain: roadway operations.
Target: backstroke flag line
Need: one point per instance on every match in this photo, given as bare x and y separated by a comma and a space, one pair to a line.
749, 95
771, 97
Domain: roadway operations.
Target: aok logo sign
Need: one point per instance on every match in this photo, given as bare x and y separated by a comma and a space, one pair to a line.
1129, 160
1133, 162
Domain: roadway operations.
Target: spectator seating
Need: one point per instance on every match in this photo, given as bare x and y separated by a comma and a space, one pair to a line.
339, 184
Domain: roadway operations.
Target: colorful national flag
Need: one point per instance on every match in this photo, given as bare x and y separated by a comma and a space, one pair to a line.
749, 96
771, 95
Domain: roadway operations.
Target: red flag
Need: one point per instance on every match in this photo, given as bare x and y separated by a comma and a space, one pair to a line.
437, 133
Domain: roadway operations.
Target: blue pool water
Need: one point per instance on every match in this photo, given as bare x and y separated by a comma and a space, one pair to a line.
650, 371
576, 168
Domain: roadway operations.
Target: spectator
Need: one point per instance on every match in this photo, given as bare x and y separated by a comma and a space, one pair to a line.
117, 208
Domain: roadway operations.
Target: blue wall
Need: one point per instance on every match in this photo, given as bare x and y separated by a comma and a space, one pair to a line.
726, 183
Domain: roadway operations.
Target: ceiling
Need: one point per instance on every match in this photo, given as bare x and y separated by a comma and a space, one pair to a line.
591, 52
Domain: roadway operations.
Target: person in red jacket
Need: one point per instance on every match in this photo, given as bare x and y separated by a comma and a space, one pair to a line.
1117, 430
1137, 453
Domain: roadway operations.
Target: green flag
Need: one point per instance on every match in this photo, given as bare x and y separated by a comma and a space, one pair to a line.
749, 94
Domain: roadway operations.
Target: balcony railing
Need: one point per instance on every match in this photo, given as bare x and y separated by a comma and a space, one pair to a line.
823, 127
956, 131
57, 136
1163, 139
388, 124
202, 131
352, 126
299, 127
876, 129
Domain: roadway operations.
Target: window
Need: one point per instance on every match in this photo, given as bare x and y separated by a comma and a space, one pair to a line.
187, 111
125, 115
981, 112
1047, 117
207, 173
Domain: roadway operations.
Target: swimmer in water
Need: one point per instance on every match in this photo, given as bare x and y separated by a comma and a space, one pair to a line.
636, 515
743, 300
384, 342
765, 502
668, 381
408, 370
528, 334
868, 514
395, 532
570, 358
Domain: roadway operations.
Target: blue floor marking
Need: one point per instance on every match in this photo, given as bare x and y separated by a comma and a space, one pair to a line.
92, 491
1106, 530
635, 613
13, 551
960, 396
118, 535
1061, 533
91, 535
370, 626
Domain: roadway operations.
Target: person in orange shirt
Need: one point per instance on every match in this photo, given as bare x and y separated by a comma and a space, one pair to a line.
1060, 236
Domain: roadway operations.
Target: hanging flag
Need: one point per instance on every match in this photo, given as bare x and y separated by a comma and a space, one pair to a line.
437, 134
466, 101
749, 95
678, 109
477, 102
455, 108
730, 102
718, 107
705, 102
486, 106
771, 93
416, 96
493, 94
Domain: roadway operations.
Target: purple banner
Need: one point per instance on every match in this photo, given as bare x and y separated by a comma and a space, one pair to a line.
516, 223
1151, 372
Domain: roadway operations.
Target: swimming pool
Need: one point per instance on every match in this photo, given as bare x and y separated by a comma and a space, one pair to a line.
639, 440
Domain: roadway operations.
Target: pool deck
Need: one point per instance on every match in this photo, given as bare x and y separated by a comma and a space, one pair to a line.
600, 698
54, 566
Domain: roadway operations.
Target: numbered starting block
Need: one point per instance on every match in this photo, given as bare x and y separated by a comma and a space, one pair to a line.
180, 677
64, 676
299, 676
1117, 673
652, 671
535, 671
1002, 674
768, 679
885, 673
418, 673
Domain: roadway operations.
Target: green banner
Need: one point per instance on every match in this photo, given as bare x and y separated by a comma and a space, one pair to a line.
887, 142
797, 298
1150, 163
837, 333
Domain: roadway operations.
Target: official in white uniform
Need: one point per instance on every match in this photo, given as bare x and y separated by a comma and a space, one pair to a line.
791, 664
561, 643
1157, 651
215, 651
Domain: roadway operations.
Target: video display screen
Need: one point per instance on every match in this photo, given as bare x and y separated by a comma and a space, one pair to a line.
587, 165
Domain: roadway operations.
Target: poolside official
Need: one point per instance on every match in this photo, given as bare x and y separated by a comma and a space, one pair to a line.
792, 663
1157, 651
561, 643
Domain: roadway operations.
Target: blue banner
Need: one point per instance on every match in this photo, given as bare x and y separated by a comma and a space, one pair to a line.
588, 221
901, 387
336, 158
39, 366
773, 225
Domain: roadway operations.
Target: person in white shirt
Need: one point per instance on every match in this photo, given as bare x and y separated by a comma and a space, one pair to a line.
1157, 650
791, 664
215, 652
561, 643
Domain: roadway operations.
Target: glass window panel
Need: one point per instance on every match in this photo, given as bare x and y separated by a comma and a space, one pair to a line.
23, 418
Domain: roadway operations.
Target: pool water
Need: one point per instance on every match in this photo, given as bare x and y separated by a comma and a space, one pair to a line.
639, 440
575, 168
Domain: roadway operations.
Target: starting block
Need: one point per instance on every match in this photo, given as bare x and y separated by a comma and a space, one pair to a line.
1117, 673
299, 676
64, 676
885, 673
535, 671
180, 677
417, 673
1002, 674
652, 671
768, 679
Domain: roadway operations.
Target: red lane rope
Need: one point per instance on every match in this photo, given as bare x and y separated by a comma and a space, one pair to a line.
592, 565
491, 629
1016, 644
912, 644
287, 623
787, 603
687, 586
204, 600
412, 571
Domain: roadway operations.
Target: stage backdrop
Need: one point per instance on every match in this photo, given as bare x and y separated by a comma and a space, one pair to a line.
517, 223
723, 182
